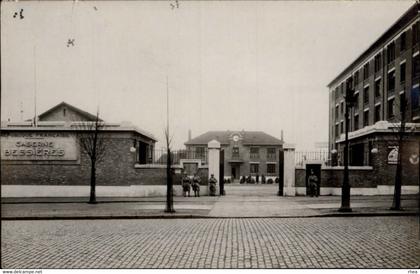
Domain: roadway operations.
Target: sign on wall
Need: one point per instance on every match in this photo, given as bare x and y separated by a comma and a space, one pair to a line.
39, 148
393, 155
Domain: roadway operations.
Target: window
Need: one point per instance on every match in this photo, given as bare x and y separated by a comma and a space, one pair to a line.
402, 73
199, 152
356, 78
356, 101
255, 153
378, 62
378, 88
235, 152
366, 71
415, 33
403, 39
403, 103
336, 130
366, 118
366, 95
271, 154
391, 81
336, 112
415, 102
390, 52
271, 168
342, 89
64, 111
416, 69
336, 93
342, 107
254, 168
356, 122
341, 127
377, 113
391, 108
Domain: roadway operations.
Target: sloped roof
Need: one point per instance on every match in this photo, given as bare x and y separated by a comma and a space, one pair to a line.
224, 137
83, 113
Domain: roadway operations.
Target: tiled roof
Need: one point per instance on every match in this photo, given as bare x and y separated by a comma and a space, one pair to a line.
224, 137
83, 113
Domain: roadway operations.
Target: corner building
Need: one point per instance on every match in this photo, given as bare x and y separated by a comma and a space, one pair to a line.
383, 76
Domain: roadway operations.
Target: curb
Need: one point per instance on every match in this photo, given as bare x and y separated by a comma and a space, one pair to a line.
188, 216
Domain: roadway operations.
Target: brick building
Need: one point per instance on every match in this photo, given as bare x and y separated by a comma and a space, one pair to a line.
383, 76
245, 152
46, 159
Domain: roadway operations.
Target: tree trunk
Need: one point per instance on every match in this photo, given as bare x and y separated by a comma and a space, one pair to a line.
169, 189
92, 199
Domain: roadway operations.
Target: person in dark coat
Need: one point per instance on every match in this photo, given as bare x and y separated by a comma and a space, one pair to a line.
186, 185
196, 185
212, 187
313, 184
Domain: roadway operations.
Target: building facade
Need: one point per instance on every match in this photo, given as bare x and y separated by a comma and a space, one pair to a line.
246, 153
385, 80
45, 158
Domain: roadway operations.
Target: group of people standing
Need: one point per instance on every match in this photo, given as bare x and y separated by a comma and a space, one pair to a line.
186, 185
195, 185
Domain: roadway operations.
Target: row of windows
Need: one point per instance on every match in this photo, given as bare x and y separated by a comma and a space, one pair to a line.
254, 168
339, 109
390, 54
391, 111
255, 153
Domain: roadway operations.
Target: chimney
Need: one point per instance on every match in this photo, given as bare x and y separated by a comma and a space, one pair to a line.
189, 135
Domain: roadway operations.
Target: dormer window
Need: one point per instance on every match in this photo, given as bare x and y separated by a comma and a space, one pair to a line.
64, 112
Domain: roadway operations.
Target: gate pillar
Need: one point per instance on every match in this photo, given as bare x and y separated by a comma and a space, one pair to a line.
289, 170
214, 162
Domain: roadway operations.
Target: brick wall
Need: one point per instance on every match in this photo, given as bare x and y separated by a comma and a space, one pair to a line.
117, 168
382, 173
333, 177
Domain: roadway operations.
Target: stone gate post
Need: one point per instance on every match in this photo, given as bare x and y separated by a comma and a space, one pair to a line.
214, 161
289, 170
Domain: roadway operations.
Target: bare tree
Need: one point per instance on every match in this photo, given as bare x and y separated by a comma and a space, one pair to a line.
169, 180
92, 143
168, 139
401, 132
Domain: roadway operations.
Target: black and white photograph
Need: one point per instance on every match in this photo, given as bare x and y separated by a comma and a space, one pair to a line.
210, 135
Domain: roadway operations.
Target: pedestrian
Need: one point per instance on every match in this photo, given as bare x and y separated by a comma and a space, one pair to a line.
212, 187
313, 184
196, 185
186, 185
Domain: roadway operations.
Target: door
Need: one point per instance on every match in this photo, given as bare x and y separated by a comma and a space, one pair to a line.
317, 171
233, 172
222, 172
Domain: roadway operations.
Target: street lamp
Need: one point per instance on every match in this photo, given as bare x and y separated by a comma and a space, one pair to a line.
345, 189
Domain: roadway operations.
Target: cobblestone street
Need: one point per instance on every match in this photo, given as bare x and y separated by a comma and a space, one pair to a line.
378, 242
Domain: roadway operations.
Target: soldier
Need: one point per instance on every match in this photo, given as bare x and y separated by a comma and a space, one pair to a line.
196, 185
186, 185
212, 182
313, 184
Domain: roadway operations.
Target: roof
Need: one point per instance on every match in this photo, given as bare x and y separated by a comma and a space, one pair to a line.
404, 20
83, 113
73, 126
224, 137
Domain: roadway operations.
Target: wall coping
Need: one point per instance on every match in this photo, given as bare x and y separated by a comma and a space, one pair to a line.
145, 166
340, 167
151, 166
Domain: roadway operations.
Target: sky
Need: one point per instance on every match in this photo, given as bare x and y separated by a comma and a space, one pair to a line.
226, 65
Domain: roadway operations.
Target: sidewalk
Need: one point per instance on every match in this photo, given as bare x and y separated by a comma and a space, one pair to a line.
230, 206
